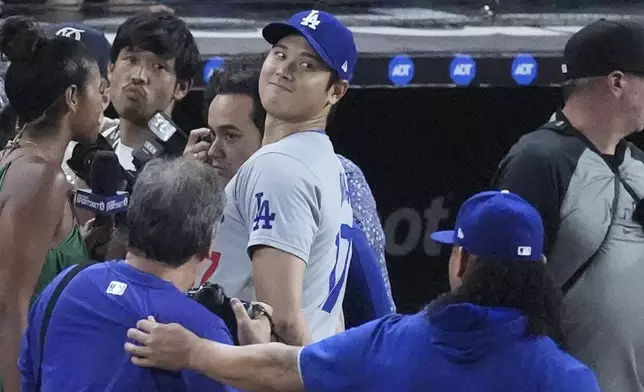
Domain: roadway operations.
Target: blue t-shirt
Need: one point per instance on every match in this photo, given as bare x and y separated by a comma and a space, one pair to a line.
458, 348
84, 345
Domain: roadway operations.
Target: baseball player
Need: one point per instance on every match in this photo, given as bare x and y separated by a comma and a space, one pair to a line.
285, 237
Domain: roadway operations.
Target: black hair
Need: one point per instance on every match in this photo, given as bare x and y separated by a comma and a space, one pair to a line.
237, 80
41, 69
526, 286
163, 34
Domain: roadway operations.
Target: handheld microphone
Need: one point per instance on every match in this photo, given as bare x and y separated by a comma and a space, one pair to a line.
166, 138
105, 180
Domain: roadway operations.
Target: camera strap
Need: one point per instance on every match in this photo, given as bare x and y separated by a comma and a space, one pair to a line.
49, 311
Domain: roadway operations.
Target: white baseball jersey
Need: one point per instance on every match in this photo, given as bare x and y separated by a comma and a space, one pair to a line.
291, 195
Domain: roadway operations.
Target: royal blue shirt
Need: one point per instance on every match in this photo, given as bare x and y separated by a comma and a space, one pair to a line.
84, 345
455, 348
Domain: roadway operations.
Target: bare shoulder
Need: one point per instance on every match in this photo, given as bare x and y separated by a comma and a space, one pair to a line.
35, 179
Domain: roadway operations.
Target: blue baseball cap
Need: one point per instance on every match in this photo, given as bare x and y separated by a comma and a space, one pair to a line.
498, 225
330, 39
94, 40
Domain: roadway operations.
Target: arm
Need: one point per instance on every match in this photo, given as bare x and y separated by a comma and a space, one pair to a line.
200, 382
282, 213
262, 367
280, 278
339, 363
258, 367
34, 207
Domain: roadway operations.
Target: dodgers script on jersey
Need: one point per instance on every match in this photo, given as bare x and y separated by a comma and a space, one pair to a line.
291, 195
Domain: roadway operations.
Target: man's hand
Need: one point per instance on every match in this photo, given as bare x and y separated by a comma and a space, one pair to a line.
165, 346
253, 329
199, 142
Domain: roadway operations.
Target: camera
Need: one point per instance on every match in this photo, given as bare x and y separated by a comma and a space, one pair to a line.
212, 296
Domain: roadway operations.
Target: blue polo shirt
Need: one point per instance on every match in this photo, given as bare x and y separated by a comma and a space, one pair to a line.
456, 348
84, 346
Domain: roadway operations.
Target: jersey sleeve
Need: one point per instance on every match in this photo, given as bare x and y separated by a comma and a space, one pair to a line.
531, 172
278, 197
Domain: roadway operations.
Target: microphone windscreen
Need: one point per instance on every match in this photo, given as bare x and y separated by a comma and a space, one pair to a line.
106, 174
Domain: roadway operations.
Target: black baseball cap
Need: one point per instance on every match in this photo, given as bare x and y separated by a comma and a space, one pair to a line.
603, 47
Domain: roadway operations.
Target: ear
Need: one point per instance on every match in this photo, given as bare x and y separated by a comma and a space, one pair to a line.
110, 70
337, 91
617, 82
181, 89
106, 95
463, 262
106, 100
72, 98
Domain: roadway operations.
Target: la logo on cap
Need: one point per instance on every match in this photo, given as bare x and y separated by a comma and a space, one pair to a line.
311, 20
459, 234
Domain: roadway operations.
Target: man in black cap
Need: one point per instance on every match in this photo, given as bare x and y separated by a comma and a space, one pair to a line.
586, 180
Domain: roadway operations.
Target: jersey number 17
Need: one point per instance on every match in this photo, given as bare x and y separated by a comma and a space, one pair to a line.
343, 242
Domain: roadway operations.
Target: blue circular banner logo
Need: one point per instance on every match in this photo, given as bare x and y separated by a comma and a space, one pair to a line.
401, 70
524, 69
213, 64
462, 69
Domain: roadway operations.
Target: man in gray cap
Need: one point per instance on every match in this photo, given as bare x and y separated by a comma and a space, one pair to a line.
587, 182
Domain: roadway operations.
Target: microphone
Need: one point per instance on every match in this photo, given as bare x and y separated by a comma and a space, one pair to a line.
166, 138
106, 178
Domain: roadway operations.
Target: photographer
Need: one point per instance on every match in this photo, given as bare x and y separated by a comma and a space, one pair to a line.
171, 218
54, 87
495, 332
